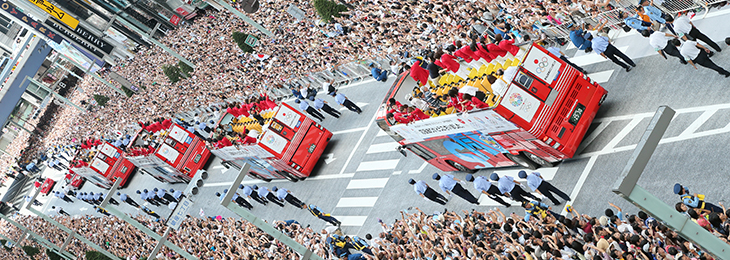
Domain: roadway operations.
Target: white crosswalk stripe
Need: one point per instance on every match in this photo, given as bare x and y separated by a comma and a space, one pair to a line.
378, 165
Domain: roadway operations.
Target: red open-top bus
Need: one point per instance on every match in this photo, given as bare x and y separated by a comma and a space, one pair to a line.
184, 151
288, 147
107, 165
537, 118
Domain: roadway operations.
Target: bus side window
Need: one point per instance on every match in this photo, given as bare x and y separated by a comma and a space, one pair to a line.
421, 152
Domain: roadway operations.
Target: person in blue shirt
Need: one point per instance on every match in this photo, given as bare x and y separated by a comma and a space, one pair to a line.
124, 197
378, 74
537, 209
576, 36
344, 101
236, 198
317, 212
538, 184
426, 192
305, 107
482, 184
265, 193
450, 184
296, 93
322, 105
635, 22
602, 46
359, 244
177, 194
249, 192
508, 186
285, 195
656, 15
694, 200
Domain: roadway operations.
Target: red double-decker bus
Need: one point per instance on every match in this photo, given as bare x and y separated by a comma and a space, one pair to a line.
288, 147
536, 118
174, 158
107, 165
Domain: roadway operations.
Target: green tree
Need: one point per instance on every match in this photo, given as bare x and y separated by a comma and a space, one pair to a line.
172, 72
31, 251
127, 92
101, 100
95, 255
186, 70
328, 8
3, 241
240, 39
52, 255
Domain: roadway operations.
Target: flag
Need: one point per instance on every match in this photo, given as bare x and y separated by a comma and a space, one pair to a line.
262, 56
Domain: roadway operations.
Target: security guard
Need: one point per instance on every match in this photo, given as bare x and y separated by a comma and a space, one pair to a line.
162, 193
156, 195
317, 212
338, 245
359, 244
111, 200
539, 209
539, 185
426, 192
149, 212
236, 198
265, 193
482, 184
448, 184
248, 191
124, 197
176, 194
696, 53
285, 195
143, 196
695, 200
102, 211
507, 186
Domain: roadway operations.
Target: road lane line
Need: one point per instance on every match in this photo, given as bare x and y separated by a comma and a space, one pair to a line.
374, 183
357, 202
420, 169
581, 181
384, 147
359, 141
378, 165
698, 122
624, 132
348, 131
588, 140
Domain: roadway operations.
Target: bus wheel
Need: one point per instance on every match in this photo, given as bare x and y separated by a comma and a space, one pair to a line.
521, 160
289, 176
460, 167
540, 161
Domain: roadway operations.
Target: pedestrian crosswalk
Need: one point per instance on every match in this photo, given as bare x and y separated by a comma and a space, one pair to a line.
370, 178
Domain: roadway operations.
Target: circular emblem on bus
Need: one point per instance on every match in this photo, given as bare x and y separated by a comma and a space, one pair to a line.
515, 99
164, 151
269, 139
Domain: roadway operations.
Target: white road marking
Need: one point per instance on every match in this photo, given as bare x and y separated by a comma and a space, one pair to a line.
381, 148
589, 139
419, 170
218, 167
257, 181
359, 141
349, 131
620, 136
698, 122
352, 221
374, 183
381, 133
581, 181
329, 158
397, 172
378, 165
357, 202
601, 77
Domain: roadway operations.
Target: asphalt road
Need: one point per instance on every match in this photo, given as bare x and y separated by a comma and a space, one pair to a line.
361, 178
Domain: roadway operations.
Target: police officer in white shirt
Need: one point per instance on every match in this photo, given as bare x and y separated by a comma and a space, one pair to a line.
684, 27
662, 43
695, 53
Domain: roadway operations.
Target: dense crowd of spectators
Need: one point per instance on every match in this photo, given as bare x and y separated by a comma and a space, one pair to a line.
415, 235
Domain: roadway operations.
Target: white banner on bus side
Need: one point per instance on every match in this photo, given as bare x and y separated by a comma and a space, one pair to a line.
486, 122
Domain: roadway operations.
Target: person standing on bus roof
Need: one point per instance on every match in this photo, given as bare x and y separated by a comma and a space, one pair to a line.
507, 186
305, 107
450, 184
344, 101
320, 105
249, 192
482, 184
538, 184
426, 192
